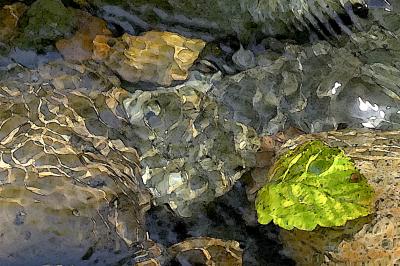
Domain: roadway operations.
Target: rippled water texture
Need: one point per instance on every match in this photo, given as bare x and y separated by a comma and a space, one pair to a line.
139, 132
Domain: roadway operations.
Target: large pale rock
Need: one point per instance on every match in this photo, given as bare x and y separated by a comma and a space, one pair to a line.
189, 152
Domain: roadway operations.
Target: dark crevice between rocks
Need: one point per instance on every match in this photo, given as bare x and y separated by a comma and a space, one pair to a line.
229, 217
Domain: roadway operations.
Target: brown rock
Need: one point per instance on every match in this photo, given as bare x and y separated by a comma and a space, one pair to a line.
100, 47
80, 46
265, 158
9, 17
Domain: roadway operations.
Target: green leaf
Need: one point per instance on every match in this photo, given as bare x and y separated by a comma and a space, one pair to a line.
312, 185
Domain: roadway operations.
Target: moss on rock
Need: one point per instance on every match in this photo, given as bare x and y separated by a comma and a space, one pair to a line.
45, 22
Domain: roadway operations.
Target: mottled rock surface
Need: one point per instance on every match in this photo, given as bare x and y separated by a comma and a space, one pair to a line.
44, 22
159, 57
190, 153
319, 87
80, 46
9, 17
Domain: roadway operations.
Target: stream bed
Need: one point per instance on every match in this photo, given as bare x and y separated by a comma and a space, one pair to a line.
146, 132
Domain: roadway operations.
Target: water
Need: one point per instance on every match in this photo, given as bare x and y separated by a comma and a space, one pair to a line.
119, 141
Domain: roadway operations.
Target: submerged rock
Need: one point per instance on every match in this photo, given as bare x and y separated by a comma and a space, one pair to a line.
190, 152
9, 17
158, 57
207, 251
69, 187
44, 22
197, 251
80, 46
319, 87
230, 216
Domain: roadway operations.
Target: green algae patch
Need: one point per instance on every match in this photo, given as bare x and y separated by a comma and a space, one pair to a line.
44, 22
312, 185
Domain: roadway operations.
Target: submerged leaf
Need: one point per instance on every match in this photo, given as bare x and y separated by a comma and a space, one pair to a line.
312, 185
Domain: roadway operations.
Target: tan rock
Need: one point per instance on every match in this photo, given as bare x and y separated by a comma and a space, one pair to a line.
100, 47
158, 57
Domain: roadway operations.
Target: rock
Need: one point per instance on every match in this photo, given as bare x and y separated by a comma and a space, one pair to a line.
80, 46
244, 18
190, 152
10, 15
230, 216
158, 57
265, 157
207, 251
353, 86
31, 59
369, 241
244, 59
199, 251
44, 22
69, 187
101, 49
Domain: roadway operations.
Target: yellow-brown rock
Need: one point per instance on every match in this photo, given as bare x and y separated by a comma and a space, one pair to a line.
80, 46
158, 57
100, 47
9, 17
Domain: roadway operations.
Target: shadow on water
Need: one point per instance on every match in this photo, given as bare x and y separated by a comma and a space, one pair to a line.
230, 217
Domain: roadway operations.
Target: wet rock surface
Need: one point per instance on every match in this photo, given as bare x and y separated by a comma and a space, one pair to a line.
138, 132
159, 57
354, 85
189, 152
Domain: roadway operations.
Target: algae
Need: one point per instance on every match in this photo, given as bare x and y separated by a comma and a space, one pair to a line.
44, 22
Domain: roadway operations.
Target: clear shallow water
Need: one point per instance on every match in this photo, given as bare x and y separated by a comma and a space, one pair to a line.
80, 117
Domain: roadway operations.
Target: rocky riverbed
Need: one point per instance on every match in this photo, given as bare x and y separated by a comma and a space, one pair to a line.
143, 132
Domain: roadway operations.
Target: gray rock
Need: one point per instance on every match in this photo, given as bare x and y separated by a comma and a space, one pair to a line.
320, 87
244, 59
189, 152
